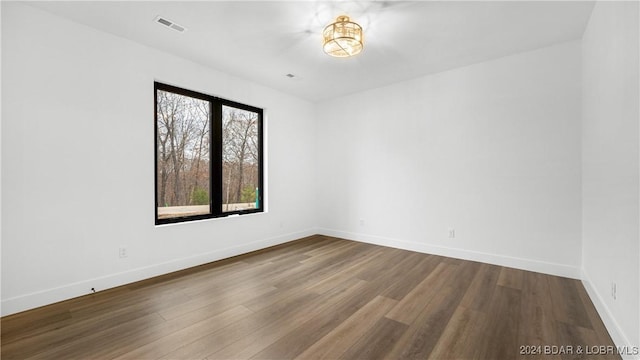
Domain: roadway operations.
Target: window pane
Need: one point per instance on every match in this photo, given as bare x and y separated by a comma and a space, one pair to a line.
183, 155
240, 157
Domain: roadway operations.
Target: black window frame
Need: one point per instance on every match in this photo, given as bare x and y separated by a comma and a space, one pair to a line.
215, 154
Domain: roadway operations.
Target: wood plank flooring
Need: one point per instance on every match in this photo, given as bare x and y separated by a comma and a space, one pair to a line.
319, 298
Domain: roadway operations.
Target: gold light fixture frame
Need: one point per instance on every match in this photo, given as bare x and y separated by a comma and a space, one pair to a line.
343, 38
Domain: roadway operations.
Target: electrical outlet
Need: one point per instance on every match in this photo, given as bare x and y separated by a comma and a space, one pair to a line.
122, 252
452, 233
614, 290
361, 222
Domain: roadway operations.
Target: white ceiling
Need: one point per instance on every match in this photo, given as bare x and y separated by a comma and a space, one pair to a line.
263, 41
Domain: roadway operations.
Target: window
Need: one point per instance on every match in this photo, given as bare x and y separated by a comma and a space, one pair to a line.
208, 156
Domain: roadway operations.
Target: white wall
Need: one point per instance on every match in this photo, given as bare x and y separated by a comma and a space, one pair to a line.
610, 166
1, 82
78, 158
491, 150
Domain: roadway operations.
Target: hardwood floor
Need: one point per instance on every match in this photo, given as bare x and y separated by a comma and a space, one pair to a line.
319, 297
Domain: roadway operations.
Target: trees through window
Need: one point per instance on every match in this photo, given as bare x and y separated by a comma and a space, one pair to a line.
208, 156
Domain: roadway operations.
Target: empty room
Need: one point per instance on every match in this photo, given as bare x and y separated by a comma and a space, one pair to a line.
320, 179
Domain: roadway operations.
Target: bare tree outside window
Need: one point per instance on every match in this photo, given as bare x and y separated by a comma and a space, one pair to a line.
183, 155
240, 158
208, 156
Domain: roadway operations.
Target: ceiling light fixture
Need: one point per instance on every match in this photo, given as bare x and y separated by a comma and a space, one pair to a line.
343, 38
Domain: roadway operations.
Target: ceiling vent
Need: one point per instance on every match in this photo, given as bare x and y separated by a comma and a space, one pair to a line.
170, 24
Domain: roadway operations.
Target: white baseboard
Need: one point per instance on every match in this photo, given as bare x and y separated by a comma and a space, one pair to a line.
508, 261
617, 335
66, 292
